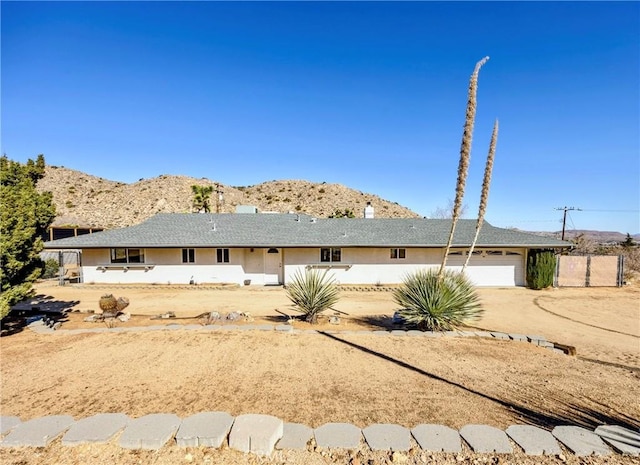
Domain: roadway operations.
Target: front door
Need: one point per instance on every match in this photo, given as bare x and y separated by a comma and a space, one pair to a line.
272, 266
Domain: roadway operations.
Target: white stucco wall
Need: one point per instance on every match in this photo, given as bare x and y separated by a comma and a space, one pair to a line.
363, 265
357, 266
164, 266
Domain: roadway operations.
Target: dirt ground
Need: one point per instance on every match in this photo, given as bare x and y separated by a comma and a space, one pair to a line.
318, 378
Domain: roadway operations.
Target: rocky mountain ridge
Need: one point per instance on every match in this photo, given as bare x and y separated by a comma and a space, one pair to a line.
90, 201
84, 200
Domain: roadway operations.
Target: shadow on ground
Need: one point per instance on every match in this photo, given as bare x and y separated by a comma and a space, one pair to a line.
33, 309
588, 413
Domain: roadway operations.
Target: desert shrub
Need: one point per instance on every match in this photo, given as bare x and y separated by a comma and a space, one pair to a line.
541, 269
313, 292
51, 267
435, 303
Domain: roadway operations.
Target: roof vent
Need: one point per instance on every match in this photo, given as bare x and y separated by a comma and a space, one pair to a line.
368, 211
314, 220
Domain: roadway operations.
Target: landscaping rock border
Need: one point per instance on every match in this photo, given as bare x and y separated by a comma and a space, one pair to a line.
261, 434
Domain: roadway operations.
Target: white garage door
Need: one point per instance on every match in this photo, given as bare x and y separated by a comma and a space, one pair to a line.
492, 267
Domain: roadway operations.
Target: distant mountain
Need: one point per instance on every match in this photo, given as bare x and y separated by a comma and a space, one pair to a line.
600, 237
90, 201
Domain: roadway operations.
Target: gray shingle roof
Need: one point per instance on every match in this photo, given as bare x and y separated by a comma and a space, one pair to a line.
172, 230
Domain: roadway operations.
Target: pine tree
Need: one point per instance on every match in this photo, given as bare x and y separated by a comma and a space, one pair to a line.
25, 215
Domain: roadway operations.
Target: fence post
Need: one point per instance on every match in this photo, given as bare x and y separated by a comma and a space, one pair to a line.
60, 269
620, 270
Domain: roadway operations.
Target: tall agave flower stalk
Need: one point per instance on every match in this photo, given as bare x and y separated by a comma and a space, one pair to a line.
484, 196
465, 155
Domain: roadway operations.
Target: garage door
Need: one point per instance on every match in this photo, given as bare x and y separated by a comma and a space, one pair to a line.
492, 267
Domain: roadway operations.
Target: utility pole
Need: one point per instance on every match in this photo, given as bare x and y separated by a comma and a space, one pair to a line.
219, 197
564, 216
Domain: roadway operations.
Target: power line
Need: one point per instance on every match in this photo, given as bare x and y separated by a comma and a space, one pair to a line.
610, 211
564, 216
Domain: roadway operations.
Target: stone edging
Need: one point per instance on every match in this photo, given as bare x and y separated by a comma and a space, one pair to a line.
261, 434
540, 341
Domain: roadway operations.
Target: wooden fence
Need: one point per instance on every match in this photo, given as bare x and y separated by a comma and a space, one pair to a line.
589, 270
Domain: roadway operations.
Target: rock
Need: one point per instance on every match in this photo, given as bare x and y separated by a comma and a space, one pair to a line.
334, 320
399, 457
233, 316
124, 317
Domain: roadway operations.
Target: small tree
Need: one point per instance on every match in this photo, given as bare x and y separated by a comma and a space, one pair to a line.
313, 292
346, 213
201, 198
541, 269
446, 213
24, 218
628, 242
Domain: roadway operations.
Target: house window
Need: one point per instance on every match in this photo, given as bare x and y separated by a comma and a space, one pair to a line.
330, 255
222, 255
398, 253
188, 255
122, 255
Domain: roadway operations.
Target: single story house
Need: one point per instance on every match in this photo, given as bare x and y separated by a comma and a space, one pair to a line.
268, 249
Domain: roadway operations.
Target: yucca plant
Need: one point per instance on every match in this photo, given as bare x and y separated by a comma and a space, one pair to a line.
465, 155
437, 302
313, 292
484, 195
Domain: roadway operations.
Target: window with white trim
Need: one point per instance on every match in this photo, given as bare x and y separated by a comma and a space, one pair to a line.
398, 253
222, 255
330, 254
123, 255
188, 255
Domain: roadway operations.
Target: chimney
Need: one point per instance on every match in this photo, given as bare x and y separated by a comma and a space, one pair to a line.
368, 211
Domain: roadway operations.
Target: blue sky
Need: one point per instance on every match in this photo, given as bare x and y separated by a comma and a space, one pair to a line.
370, 95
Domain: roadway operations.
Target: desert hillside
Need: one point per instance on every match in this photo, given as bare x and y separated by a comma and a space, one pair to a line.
85, 200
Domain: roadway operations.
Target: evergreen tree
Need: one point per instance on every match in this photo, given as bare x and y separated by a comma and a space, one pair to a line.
25, 215
628, 242
541, 269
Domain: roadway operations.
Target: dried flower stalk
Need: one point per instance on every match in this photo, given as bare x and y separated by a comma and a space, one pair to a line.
484, 196
465, 155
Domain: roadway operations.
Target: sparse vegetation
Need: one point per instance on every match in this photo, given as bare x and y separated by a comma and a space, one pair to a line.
437, 303
346, 213
313, 292
51, 268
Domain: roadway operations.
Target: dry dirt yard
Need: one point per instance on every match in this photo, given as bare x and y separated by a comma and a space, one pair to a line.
318, 378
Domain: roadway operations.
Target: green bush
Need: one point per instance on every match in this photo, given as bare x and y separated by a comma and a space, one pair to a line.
434, 304
51, 268
313, 292
541, 269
